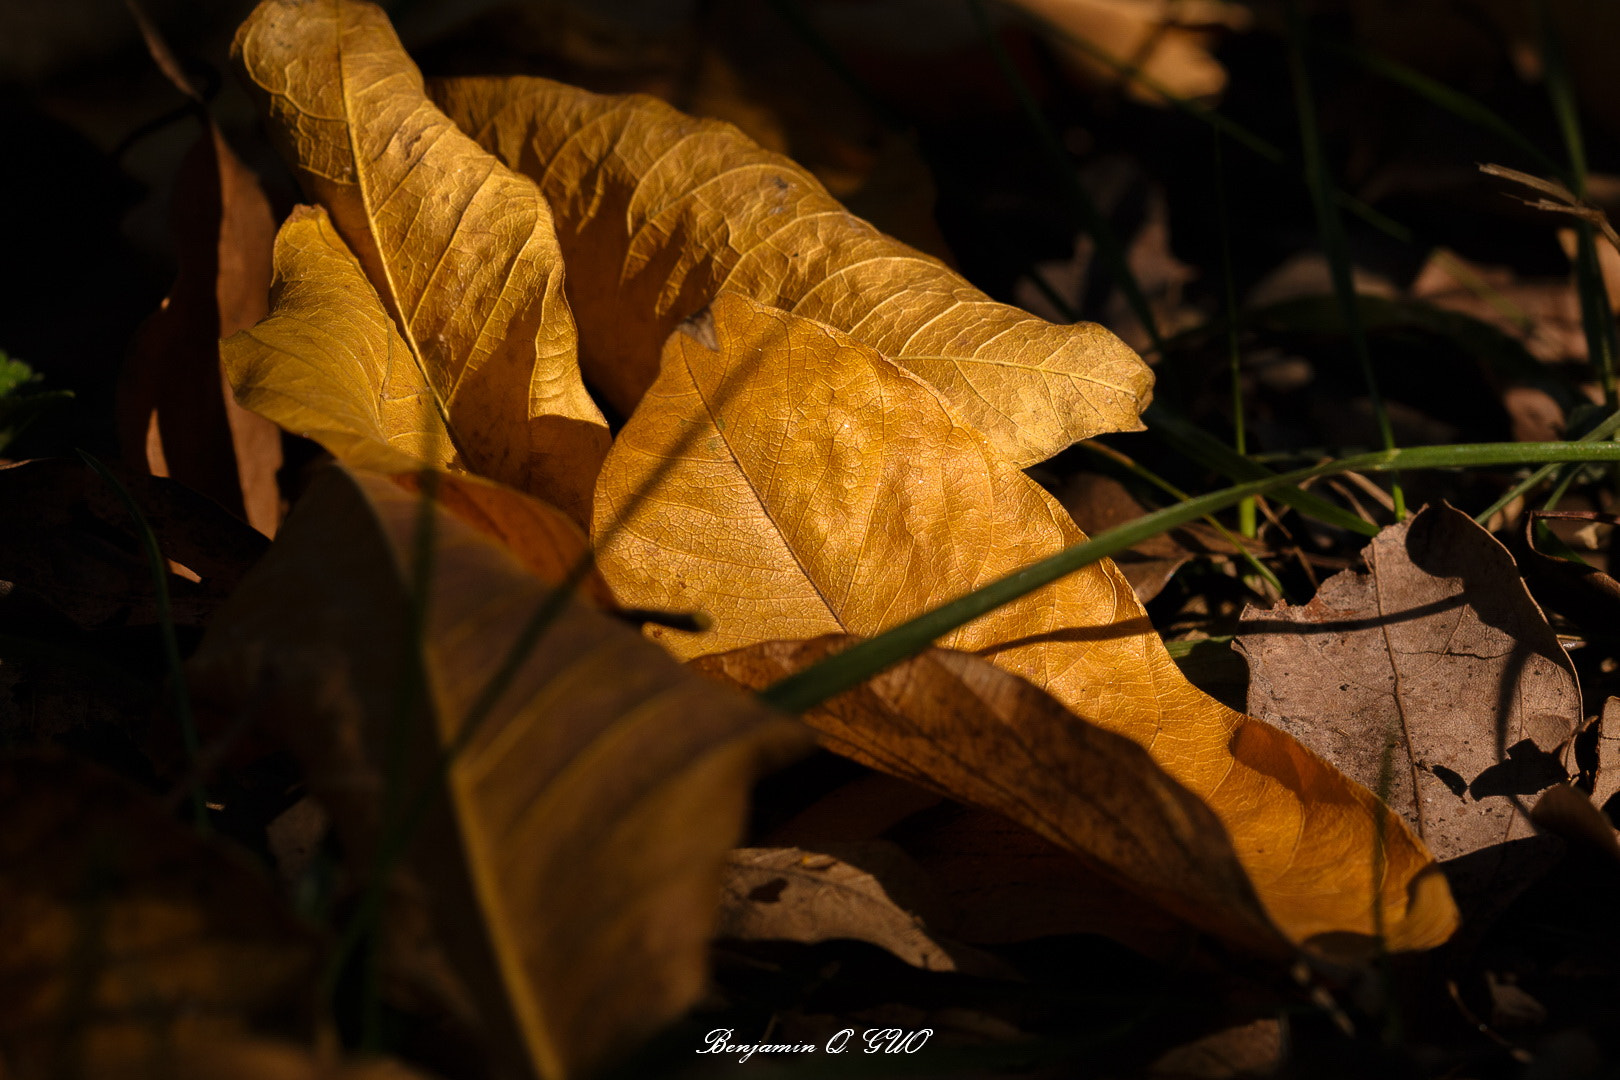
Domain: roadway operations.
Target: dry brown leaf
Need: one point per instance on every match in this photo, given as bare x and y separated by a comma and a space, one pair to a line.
1433, 676
1156, 39
175, 412
462, 251
124, 934
956, 723
573, 866
803, 485
790, 894
1607, 780
659, 212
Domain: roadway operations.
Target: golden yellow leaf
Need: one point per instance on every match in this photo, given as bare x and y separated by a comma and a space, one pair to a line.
659, 212
806, 486
124, 934
461, 250
573, 860
959, 724
329, 364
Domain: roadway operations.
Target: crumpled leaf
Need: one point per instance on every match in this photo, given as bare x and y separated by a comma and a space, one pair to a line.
659, 212
330, 365
573, 861
1432, 677
462, 251
125, 936
175, 412
790, 894
960, 725
802, 485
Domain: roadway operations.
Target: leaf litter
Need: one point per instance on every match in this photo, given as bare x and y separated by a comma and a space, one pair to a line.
524, 851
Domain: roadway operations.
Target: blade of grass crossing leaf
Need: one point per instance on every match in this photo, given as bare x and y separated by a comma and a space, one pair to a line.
1602, 431
1193, 441
1332, 231
1151, 477
1108, 245
159, 568
860, 662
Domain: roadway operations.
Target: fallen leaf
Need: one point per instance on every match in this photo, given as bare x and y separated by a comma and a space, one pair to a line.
573, 859
1582, 593
1153, 43
461, 251
960, 725
1567, 812
329, 364
124, 935
658, 213
175, 412
803, 485
790, 894
1607, 784
1432, 678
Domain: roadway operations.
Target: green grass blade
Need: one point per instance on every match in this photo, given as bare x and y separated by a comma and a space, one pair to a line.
860, 662
1602, 431
159, 569
1194, 442
1149, 476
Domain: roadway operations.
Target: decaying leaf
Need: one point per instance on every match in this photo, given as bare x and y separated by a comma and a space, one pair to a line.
806, 486
658, 213
573, 862
174, 411
125, 937
460, 250
1433, 677
789, 894
956, 723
